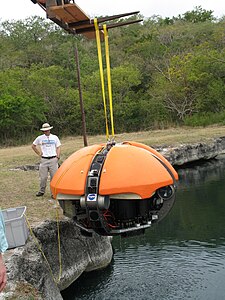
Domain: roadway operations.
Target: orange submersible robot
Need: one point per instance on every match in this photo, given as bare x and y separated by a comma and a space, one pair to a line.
115, 188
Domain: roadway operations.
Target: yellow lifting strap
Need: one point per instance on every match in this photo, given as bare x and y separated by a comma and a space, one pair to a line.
101, 73
108, 76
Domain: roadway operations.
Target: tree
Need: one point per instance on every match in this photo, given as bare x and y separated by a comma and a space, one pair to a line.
191, 83
198, 15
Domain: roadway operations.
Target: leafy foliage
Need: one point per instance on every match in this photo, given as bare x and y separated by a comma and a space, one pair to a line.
164, 71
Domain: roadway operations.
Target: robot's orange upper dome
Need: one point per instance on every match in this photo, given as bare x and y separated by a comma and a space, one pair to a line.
129, 167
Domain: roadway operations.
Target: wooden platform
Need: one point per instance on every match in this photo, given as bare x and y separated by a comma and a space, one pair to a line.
75, 21
70, 13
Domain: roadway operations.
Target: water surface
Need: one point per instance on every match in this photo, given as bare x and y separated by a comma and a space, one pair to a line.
183, 257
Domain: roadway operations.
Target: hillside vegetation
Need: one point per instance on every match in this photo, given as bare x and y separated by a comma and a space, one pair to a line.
165, 72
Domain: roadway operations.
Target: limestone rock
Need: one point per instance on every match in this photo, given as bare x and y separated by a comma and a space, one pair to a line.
187, 153
79, 254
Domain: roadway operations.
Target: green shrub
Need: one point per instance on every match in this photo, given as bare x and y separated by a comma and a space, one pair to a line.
205, 119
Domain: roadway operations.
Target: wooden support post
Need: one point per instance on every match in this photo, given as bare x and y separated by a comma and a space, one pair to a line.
81, 98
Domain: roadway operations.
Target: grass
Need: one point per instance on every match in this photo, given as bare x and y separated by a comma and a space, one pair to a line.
18, 187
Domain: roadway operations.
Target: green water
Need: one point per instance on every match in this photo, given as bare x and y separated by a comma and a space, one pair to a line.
183, 257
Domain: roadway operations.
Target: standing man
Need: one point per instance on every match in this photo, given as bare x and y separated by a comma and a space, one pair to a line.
49, 151
3, 247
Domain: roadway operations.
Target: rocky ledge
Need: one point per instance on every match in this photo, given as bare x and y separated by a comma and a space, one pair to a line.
28, 271
189, 153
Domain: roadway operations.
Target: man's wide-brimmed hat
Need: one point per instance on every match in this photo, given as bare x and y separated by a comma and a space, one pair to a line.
46, 127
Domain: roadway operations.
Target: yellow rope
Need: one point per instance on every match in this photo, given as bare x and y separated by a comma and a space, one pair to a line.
108, 76
101, 73
40, 249
59, 244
